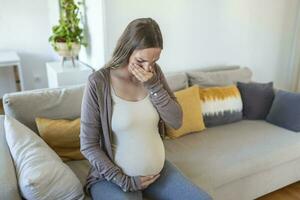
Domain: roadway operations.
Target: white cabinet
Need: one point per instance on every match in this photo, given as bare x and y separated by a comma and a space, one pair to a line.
11, 59
59, 76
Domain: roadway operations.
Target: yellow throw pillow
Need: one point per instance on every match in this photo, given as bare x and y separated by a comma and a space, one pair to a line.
190, 103
62, 136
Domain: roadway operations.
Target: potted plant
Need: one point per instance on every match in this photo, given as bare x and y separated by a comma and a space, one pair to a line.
67, 36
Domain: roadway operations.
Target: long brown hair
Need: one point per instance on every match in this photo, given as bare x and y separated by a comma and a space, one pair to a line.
141, 33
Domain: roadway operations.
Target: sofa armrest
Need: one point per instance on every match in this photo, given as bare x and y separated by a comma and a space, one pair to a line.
8, 180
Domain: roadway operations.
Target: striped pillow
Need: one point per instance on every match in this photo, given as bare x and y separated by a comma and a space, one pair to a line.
221, 105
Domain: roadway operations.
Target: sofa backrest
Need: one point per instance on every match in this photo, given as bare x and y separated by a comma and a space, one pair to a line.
177, 80
54, 103
219, 78
208, 76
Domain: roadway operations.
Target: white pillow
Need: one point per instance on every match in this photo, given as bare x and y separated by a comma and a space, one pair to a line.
41, 173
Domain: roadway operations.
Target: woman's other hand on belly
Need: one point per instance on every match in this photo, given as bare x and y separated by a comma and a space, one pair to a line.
147, 180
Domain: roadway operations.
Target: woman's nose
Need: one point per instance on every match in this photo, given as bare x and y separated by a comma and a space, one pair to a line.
148, 67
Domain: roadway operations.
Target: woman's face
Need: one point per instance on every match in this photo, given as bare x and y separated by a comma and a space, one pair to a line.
145, 58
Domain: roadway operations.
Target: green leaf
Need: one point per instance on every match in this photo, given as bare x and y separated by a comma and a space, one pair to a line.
68, 30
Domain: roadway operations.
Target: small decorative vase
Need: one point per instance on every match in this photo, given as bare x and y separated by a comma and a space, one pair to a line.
62, 50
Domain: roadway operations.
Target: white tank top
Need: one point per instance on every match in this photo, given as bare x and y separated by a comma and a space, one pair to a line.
137, 146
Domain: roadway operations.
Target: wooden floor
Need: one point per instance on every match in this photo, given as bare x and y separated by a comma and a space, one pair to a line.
1, 108
291, 192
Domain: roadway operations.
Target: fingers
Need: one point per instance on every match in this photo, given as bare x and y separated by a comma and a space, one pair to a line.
140, 70
134, 72
147, 180
140, 73
151, 69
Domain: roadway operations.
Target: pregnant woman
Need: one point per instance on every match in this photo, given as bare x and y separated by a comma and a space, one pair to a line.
125, 107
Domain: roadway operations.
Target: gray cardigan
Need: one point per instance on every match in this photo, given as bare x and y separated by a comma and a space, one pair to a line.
95, 127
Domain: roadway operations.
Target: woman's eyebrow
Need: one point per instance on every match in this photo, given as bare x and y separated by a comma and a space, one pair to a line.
141, 59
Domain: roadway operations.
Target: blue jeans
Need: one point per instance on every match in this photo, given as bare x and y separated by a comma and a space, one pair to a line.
171, 185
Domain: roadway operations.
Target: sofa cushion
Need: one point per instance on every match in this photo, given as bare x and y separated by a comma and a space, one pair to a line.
285, 110
51, 103
257, 99
177, 80
62, 136
192, 121
40, 172
8, 180
220, 105
226, 153
219, 78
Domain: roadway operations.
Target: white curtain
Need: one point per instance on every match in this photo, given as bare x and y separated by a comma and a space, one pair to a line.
295, 72
295, 58
296, 78
298, 84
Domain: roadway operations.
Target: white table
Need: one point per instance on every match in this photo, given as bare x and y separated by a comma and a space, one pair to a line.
66, 75
11, 59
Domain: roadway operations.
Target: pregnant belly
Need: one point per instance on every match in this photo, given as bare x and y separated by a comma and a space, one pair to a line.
140, 156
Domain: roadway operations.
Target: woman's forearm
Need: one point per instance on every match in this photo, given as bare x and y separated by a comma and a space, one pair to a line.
164, 100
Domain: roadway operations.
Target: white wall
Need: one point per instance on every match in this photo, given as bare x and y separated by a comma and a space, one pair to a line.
25, 28
93, 20
199, 33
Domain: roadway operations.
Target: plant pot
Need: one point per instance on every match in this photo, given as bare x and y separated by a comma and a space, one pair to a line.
62, 49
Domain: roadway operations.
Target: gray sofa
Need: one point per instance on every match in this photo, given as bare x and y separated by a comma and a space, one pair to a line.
238, 161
